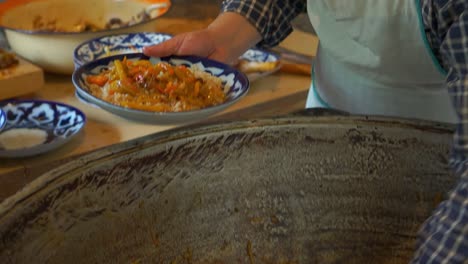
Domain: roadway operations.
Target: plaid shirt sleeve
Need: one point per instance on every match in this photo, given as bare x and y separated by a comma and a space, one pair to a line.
444, 236
272, 18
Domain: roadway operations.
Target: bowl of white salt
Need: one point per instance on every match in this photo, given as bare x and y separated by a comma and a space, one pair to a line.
33, 127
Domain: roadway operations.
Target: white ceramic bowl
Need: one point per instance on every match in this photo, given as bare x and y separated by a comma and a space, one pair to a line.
236, 86
57, 122
53, 51
2, 119
94, 49
115, 44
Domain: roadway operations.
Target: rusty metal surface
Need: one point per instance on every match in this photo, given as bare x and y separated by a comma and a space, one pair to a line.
299, 189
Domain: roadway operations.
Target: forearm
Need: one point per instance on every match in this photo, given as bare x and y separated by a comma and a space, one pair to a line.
241, 25
224, 40
234, 32
272, 18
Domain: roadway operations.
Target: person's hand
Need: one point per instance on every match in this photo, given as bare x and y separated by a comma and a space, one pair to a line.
224, 40
201, 43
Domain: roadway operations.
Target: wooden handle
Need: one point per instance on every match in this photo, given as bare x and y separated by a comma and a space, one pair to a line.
296, 68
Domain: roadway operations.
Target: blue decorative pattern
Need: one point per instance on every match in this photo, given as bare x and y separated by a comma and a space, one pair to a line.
236, 85
2, 119
61, 122
259, 55
134, 43
115, 44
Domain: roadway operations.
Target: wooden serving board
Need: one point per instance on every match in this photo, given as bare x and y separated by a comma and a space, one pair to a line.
21, 79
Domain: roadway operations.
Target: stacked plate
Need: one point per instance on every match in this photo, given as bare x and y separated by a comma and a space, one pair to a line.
99, 54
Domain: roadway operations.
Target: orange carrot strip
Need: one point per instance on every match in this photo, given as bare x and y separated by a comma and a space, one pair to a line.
100, 80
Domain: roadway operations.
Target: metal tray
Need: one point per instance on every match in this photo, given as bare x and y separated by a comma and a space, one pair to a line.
314, 187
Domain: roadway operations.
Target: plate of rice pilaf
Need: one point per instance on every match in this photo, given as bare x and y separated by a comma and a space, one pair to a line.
163, 90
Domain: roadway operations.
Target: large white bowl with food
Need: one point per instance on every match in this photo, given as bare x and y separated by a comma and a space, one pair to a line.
46, 32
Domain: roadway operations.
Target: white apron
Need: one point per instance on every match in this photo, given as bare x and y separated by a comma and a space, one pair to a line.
374, 59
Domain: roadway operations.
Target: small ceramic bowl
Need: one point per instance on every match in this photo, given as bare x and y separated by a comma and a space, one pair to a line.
260, 56
2, 119
236, 86
115, 44
29, 26
34, 127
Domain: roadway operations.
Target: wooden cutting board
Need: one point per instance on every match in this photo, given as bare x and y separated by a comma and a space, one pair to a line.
21, 79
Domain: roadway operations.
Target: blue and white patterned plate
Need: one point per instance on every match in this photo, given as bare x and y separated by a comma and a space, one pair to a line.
134, 42
259, 55
236, 86
41, 125
115, 44
2, 119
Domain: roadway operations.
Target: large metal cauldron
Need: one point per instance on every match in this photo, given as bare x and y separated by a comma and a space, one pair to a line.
299, 189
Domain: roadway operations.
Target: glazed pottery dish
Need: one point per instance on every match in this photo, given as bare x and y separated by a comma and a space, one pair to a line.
160, 90
2, 119
258, 63
46, 32
255, 63
33, 127
115, 44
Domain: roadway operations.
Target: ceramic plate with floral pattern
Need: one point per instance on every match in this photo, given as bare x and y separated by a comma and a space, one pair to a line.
233, 83
34, 127
255, 63
258, 63
115, 44
2, 119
